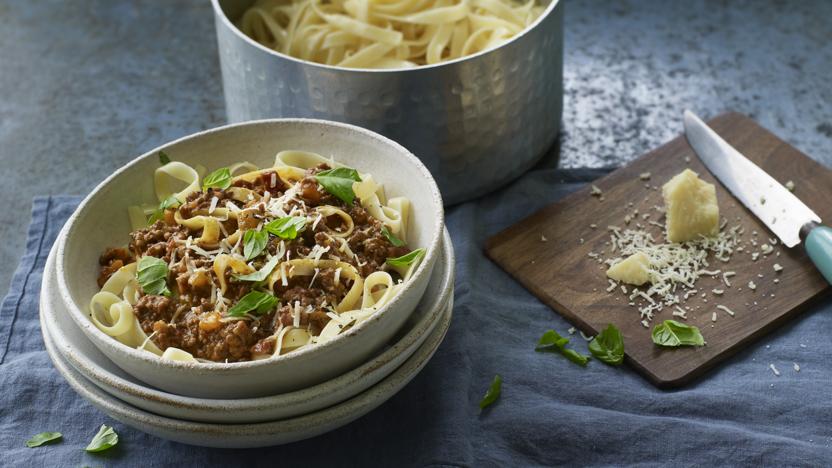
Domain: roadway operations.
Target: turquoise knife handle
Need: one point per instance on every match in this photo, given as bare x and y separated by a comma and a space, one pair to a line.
819, 247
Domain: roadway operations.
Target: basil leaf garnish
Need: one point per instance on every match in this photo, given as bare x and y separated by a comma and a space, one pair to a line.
43, 438
163, 158
608, 346
339, 182
671, 333
554, 343
169, 202
105, 439
391, 238
262, 274
254, 242
256, 301
152, 274
493, 392
286, 227
221, 179
406, 259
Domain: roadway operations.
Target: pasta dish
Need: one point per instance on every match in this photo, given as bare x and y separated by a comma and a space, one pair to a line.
385, 33
247, 263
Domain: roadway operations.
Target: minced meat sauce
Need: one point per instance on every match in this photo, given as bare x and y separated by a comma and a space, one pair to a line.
189, 320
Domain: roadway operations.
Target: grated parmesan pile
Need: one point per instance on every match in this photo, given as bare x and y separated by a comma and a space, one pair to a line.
674, 268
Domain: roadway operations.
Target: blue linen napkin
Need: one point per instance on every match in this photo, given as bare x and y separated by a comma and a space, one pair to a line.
551, 412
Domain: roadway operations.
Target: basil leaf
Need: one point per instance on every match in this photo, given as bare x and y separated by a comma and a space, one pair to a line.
169, 202
152, 274
43, 438
262, 274
254, 242
221, 179
671, 333
105, 439
390, 237
493, 392
339, 182
406, 259
554, 343
608, 346
163, 158
256, 301
286, 227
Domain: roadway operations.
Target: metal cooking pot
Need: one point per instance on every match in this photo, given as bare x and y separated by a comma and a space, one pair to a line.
476, 122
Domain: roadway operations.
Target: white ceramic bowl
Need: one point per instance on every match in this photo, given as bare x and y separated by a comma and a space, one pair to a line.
79, 352
252, 435
101, 221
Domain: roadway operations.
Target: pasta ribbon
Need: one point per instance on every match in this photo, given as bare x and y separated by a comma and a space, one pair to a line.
326, 211
223, 262
179, 171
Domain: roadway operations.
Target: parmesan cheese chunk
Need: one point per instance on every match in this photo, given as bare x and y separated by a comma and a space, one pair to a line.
632, 270
692, 209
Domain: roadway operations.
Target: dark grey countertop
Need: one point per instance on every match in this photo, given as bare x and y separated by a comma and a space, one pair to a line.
88, 85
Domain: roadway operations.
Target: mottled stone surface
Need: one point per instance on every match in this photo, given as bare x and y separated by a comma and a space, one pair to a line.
87, 85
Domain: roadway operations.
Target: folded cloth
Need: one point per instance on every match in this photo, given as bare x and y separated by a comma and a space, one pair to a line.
551, 411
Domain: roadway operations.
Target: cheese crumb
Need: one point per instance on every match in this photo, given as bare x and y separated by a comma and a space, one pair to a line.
572, 331
774, 369
713, 317
777, 267
725, 309
543, 238
752, 286
790, 186
766, 249
644, 176
796, 367
595, 191
718, 292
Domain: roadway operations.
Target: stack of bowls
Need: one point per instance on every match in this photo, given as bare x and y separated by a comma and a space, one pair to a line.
258, 403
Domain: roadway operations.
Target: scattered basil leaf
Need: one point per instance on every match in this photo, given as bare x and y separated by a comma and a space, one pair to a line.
256, 301
554, 343
105, 439
163, 158
169, 202
43, 438
339, 182
493, 392
286, 227
262, 274
221, 179
608, 346
254, 242
671, 333
390, 237
152, 274
406, 259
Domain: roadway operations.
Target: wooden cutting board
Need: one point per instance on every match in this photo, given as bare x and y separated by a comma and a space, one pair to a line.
561, 272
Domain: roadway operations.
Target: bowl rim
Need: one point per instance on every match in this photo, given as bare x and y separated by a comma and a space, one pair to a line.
433, 316
81, 318
219, 13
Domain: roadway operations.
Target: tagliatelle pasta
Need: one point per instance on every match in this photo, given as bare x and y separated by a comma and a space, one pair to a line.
248, 263
385, 33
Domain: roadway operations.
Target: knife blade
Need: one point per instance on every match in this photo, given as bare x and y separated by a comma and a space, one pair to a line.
779, 209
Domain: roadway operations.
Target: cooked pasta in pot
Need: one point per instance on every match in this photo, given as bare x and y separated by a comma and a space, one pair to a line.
385, 33
251, 263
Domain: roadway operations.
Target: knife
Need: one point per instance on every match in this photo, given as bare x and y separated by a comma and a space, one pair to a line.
782, 212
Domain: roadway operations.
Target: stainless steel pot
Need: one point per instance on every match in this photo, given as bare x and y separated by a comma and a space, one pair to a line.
476, 122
